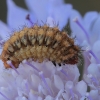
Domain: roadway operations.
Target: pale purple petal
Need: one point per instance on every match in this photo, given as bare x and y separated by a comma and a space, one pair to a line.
96, 48
58, 82
76, 30
32, 95
16, 16
83, 98
65, 96
61, 14
21, 98
37, 82
94, 94
69, 85
49, 98
95, 30
81, 87
39, 8
89, 19
93, 69
4, 30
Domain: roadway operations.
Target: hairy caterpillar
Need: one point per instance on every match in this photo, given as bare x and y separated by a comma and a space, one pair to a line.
40, 43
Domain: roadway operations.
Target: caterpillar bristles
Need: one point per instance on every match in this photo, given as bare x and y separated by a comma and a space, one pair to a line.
40, 43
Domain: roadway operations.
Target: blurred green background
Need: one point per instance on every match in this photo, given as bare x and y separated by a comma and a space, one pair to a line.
81, 5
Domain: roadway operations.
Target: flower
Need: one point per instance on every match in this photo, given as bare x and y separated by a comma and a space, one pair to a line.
43, 81
87, 31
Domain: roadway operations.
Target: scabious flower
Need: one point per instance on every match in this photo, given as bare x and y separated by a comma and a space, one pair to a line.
87, 32
43, 81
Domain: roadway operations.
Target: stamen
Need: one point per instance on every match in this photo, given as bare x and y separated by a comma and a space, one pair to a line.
93, 79
43, 78
61, 70
4, 96
27, 87
91, 52
28, 18
88, 49
26, 62
79, 24
41, 75
69, 85
13, 67
72, 94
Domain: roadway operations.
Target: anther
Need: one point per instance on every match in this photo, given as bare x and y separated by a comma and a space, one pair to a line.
28, 18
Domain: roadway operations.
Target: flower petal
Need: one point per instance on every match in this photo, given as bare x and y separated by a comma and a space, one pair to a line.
93, 69
77, 31
89, 18
61, 14
58, 82
94, 94
39, 9
49, 98
95, 30
81, 87
4, 30
37, 82
16, 16
95, 48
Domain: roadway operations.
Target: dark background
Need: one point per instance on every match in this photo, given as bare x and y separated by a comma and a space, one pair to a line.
81, 5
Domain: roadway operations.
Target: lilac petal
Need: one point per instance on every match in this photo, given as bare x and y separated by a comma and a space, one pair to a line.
49, 98
39, 9
89, 19
75, 71
40, 98
32, 95
83, 98
93, 69
95, 48
50, 21
94, 94
69, 85
37, 82
77, 31
87, 79
65, 96
4, 31
42, 90
58, 82
16, 16
21, 98
95, 30
61, 14
81, 87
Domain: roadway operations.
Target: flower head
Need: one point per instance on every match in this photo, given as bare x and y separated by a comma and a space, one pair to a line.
43, 81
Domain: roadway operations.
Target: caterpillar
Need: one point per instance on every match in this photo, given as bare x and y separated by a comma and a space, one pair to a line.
40, 43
